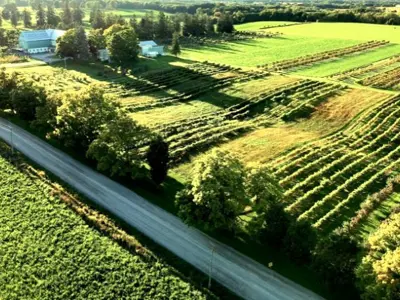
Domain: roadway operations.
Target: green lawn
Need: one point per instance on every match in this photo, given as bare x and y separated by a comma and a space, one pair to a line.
49, 252
349, 62
251, 53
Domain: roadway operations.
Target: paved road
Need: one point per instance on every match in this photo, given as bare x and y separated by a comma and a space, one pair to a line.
235, 271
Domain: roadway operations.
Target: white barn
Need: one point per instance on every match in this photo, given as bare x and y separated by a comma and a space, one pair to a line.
150, 49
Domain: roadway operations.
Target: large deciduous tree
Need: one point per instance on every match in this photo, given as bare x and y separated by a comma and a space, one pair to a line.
300, 241
73, 44
270, 222
123, 46
378, 275
25, 98
96, 41
116, 148
335, 259
216, 194
225, 24
81, 116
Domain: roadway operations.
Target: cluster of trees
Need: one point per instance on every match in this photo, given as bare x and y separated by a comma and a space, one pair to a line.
379, 272
45, 15
91, 122
162, 27
222, 190
121, 41
8, 38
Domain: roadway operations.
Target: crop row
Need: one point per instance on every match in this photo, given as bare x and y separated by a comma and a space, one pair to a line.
158, 80
326, 55
359, 71
335, 163
327, 202
201, 141
354, 141
385, 80
341, 167
371, 118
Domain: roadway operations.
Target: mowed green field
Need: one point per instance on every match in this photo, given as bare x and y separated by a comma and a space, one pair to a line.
346, 63
48, 252
347, 31
297, 41
257, 26
251, 53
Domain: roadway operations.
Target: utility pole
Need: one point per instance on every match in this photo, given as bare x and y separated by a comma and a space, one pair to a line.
211, 266
11, 139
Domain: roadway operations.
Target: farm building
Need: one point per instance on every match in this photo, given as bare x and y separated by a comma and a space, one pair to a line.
39, 41
150, 49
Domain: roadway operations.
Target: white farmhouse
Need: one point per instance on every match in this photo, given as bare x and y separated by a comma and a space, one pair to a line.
150, 49
39, 41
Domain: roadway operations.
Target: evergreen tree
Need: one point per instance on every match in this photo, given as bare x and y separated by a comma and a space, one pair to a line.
158, 158
27, 18
82, 44
52, 18
175, 47
40, 16
66, 15
14, 18
162, 26
225, 24
97, 19
78, 15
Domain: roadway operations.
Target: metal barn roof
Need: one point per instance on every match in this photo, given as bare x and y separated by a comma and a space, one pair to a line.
41, 35
147, 43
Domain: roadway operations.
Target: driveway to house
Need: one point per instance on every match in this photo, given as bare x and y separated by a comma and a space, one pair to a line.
238, 273
23, 64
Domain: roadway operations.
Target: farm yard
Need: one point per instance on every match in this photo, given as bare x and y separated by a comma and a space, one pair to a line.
317, 103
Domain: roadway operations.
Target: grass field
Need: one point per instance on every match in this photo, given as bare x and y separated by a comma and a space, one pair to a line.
252, 53
347, 31
346, 63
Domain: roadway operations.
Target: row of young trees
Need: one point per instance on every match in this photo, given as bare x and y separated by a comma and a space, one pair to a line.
88, 121
222, 190
44, 15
